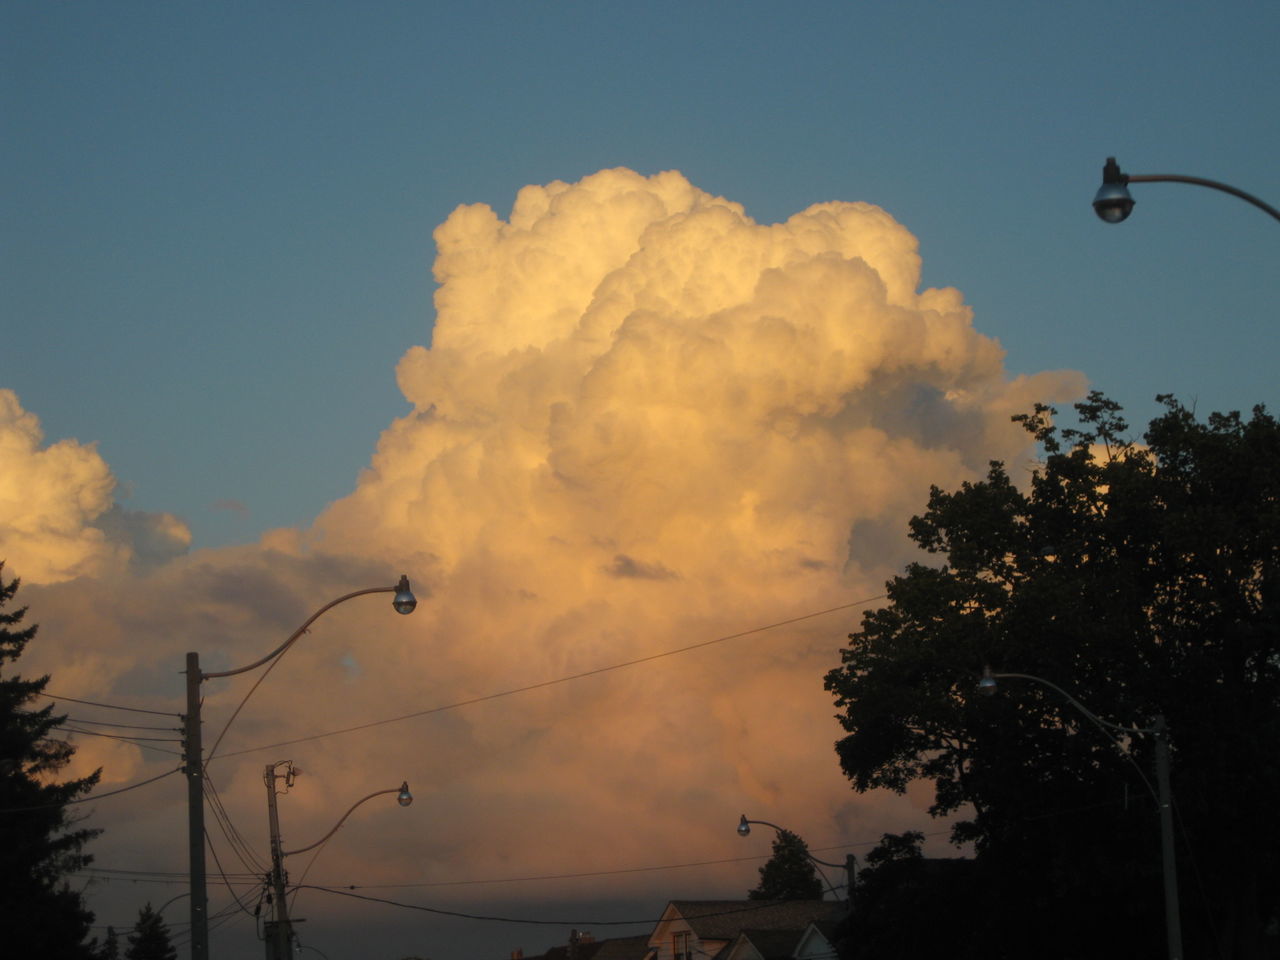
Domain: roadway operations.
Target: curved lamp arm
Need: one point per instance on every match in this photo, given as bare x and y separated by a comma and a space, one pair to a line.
1159, 731
988, 685
404, 602
744, 829
402, 795
1114, 204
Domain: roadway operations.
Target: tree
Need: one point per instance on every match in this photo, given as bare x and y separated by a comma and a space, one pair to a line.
1144, 580
150, 938
789, 874
907, 905
110, 947
39, 846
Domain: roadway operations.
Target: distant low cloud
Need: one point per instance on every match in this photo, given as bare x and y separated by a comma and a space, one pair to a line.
231, 506
624, 566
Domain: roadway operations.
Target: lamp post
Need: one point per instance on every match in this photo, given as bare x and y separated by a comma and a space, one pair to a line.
1159, 731
849, 866
1113, 203
279, 932
193, 754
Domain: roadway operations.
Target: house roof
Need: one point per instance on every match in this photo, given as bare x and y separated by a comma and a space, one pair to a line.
725, 919
772, 944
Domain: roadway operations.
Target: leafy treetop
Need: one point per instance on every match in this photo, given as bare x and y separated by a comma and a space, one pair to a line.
1143, 579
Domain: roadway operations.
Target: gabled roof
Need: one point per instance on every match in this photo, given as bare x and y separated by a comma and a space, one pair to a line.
725, 919
770, 944
818, 940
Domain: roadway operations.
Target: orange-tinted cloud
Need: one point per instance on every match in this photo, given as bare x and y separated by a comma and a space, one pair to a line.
58, 518
645, 421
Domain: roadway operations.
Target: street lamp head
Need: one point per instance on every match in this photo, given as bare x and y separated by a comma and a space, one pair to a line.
987, 685
744, 826
404, 797
404, 600
1112, 202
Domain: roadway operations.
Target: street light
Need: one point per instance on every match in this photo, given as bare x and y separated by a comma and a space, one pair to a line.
850, 865
193, 753
279, 932
1159, 731
1113, 203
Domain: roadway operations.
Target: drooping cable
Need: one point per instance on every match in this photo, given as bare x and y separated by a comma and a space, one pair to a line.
108, 706
242, 849
96, 796
551, 683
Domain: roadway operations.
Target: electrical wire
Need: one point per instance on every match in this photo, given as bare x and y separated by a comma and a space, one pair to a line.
239, 846
245, 699
109, 706
225, 881
305, 870
120, 736
551, 683
132, 740
96, 796
112, 723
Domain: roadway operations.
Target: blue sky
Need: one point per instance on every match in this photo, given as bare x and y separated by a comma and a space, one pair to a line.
218, 229
217, 246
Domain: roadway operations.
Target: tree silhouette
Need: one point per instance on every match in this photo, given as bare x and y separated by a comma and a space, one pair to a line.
39, 913
150, 938
1145, 581
109, 949
789, 874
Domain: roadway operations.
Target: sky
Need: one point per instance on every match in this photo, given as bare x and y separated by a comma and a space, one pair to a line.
621, 329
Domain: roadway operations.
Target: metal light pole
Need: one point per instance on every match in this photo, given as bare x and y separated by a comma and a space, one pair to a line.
1113, 203
193, 755
1162, 793
850, 865
279, 932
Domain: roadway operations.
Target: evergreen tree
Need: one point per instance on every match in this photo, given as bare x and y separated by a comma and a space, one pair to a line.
109, 949
41, 916
789, 874
150, 938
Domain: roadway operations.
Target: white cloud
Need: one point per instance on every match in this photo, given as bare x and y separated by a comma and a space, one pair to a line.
645, 421
58, 519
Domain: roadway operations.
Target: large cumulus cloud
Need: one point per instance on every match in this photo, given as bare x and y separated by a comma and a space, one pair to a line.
644, 421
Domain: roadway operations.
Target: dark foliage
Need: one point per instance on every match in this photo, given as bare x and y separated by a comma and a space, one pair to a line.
109, 949
1144, 581
907, 906
150, 938
789, 874
39, 846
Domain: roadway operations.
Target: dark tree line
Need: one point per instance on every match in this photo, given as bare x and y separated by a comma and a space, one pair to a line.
41, 915
1144, 579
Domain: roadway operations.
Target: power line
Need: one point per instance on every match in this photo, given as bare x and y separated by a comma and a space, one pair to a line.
96, 796
130, 739
239, 846
226, 882
109, 706
120, 736
126, 726
551, 683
